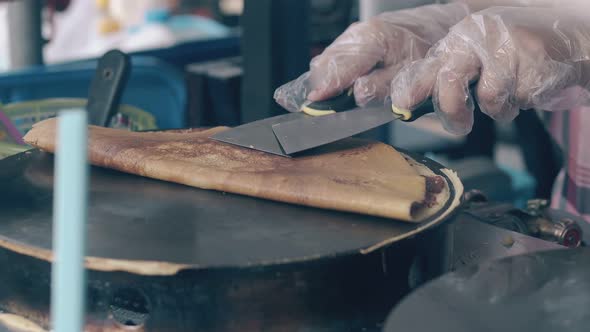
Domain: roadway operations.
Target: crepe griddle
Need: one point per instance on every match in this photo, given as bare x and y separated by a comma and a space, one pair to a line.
301, 266
134, 218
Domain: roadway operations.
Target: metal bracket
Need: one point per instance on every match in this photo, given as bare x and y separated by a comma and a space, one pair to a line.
538, 220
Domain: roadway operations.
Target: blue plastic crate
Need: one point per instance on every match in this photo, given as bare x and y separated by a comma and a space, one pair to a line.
187, 53
154, 86
523, 185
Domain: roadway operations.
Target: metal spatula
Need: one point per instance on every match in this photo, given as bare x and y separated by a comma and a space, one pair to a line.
317, 124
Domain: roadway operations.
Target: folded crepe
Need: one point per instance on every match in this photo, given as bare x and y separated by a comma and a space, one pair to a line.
352, 175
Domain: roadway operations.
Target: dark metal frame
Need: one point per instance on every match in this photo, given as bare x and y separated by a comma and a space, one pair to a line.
275, 50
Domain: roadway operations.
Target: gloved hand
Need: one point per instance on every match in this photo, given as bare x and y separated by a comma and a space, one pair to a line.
521, 58
369, 54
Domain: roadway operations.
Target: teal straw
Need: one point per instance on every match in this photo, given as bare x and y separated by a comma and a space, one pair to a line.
69, 222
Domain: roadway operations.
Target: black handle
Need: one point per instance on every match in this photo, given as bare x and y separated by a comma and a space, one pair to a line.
346, 101
421, 111
409, 116
107, 86
426, 107
339, 103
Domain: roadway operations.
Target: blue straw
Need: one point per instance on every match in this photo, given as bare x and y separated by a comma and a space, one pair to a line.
69, 222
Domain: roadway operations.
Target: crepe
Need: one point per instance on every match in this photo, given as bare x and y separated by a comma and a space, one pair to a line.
352, 175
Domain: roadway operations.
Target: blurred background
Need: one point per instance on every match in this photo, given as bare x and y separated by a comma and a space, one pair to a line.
203, 63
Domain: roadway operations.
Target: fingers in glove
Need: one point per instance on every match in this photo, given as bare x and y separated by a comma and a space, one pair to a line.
445, 75
388, 39
496, 95
374, 88
497, 85
452, 99
414, 83
353, 54
293, 94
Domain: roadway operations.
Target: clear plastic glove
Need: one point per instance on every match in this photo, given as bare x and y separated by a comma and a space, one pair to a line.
515, 58
368, 55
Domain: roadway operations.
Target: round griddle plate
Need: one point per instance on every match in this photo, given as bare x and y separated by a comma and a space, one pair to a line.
133, 218
541, 292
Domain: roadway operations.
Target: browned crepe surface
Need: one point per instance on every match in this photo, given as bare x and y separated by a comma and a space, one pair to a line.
351, 175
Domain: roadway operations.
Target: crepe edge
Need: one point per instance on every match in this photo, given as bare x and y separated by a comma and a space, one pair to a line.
151, 268
458, 187
442, 197
18, 323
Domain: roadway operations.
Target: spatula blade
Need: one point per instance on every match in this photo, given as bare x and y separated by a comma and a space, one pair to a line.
258, 135
306, 133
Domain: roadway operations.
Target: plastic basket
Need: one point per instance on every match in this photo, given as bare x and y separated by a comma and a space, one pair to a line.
8, 149
25, 114
154, 87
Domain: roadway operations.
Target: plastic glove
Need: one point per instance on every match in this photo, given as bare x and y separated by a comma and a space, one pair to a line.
521, 58
477, 5
369, 54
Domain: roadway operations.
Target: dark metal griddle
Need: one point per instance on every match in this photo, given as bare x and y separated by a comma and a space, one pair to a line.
238, 263
136, 218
